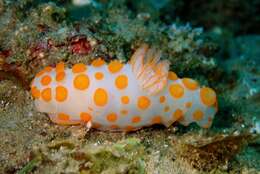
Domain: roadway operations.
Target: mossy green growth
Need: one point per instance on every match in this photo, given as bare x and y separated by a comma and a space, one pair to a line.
49, 14
30, 165
123, 157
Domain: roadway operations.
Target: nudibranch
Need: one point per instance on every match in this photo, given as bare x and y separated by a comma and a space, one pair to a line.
122, 97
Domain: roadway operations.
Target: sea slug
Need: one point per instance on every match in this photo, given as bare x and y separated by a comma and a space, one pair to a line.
122, 97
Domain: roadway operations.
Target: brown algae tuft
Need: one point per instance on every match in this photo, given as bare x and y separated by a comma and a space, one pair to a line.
209, 153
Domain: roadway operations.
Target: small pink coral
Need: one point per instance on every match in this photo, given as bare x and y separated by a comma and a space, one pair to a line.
79, 45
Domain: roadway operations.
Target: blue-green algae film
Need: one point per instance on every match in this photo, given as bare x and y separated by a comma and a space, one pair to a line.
213, 42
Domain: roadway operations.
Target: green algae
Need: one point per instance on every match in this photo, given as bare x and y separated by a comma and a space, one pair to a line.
124, 156
30, 166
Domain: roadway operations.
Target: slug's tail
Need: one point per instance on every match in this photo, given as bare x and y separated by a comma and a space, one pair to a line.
203, 108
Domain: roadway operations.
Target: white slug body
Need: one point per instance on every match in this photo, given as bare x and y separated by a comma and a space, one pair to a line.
122, 97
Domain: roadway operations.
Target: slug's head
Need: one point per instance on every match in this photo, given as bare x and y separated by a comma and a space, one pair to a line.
42, 90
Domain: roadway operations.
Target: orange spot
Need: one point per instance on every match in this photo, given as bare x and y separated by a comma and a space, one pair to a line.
143, 102
35, 92
60, 76
60, 67
125, 99
99, 75
85, 117
121, 81
115, 66
61, 93
197, 115
166, 109
177, 115
100, 97
62, 122
78, 68
47, 69
81, 82
190, 84
208, 96
124, 112
182, 119
40, 73
98, 62
188, 104
136, 119
46, 80
111, 117
96, 125
172, 76
63, 117
208, 124
90, 108
129, 128
176, 91
157, 120
162, 99
114, 126
46, 94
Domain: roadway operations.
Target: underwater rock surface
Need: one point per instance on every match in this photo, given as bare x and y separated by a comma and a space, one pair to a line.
35, 34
